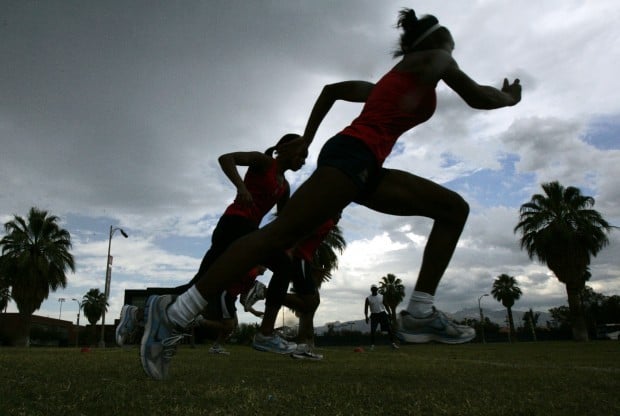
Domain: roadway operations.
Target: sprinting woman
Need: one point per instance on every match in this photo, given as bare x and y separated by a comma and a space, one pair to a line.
350, 168
263, 187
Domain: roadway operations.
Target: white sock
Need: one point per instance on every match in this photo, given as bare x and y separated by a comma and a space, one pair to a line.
186, 307
420, 304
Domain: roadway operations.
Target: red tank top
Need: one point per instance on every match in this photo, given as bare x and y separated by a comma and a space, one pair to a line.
266, 189
397, 103
306, 248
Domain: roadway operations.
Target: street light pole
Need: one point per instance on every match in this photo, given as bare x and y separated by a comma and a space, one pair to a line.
484, 341
108, 273
77, 333
60, 300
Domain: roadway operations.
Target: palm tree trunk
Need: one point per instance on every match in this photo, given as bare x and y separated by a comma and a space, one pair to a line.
578, 321
532, 328
94, 342
511, 325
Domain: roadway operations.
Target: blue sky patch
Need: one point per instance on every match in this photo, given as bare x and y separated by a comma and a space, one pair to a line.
604, 132
502, 187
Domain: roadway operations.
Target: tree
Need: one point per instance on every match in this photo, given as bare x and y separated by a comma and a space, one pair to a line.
561, 317
562, 231
506, 291
5, 290
530, 320
93, 304
393, 292
36, 257
592, 302
5, 298
598, 309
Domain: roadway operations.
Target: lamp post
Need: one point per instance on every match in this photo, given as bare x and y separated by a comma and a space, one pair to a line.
77, 334
108, 273
60, 300
484, 341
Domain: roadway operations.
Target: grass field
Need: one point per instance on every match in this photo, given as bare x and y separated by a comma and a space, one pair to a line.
554, 378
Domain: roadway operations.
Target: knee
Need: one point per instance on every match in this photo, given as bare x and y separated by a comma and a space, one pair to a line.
460, 210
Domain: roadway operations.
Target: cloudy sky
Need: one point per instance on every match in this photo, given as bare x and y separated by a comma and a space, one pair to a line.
114, 113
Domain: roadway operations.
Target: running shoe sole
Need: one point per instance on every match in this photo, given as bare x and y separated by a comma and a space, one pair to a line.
269, 349
307, 356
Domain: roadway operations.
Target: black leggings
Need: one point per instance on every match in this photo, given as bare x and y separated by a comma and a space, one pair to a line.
228, 230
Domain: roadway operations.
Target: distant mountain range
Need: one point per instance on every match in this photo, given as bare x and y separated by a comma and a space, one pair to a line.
497, 316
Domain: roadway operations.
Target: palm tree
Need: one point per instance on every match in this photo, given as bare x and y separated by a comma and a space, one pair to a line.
561, 230
5, 290
530, 318
5, 298
36, 256
93, 304
506, 291
393, 292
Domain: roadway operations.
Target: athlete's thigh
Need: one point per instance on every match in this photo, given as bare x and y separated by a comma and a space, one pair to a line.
324, 194
403, 193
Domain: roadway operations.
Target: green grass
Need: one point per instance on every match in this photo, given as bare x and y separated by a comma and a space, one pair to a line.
554, 378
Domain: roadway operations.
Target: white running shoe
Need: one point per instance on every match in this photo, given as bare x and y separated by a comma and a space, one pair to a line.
436, 327
127, 325
256, 293
273, 343
218, 349
160, 339
304, 352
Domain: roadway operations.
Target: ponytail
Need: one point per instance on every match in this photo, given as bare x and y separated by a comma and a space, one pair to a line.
284, 139
414, 29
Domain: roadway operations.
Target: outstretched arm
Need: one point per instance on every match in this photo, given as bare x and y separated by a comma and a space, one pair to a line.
477, 96
353, 91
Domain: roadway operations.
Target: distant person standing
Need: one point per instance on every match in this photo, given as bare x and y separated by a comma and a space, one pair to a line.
378, 316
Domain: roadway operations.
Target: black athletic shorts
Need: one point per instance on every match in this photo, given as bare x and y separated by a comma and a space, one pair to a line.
352, 157
382, 319
229, 229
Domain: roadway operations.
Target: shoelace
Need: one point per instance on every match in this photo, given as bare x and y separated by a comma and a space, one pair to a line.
170, 344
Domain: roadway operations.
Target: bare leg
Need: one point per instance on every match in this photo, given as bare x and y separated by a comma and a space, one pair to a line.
323, 195
303, 304
229, 327
306, 329
402, 193
269, 320
225, 326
